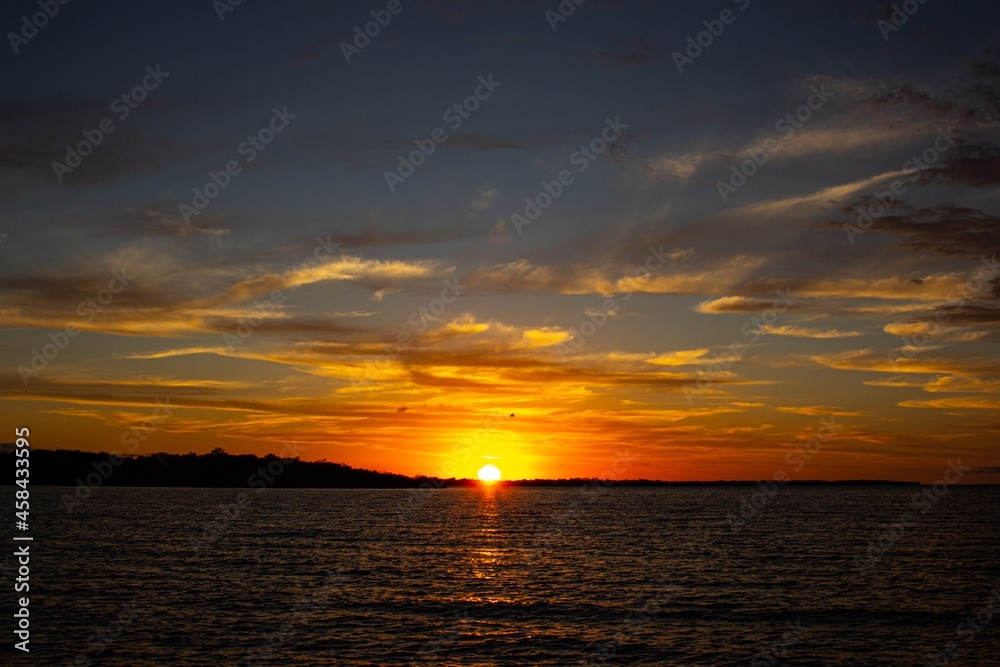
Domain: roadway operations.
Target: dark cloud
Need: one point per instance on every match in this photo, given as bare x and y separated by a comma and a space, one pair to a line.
283, 326
375, 238
31, 146
911, 95
990, 66
144, 220
976, 164
181, 394
948, 229
36, 133
967, 315
60, 295
976, 103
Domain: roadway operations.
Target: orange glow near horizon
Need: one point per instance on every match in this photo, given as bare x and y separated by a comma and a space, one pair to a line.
570, 436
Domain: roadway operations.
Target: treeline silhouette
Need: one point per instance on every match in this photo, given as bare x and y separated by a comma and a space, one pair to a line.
219, 469
577, 481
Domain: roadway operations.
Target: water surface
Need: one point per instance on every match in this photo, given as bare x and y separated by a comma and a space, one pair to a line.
499, 576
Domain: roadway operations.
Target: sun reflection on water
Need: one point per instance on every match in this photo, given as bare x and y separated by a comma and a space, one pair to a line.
490, 552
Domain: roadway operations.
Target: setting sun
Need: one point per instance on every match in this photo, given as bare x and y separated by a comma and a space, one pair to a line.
489, 473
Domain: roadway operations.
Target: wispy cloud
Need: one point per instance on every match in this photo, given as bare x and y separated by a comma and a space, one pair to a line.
806, 332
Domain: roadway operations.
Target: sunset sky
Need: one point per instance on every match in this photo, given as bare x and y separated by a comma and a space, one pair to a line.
648, 318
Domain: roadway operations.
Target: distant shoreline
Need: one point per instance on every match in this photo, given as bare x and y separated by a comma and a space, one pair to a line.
530, 483
220, 470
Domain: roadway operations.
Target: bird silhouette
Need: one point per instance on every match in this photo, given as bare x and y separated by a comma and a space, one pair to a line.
512, 414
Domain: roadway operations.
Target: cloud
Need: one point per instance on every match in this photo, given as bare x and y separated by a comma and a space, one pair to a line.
371, 238
466, 324
955, 403
975, 164
973, 100
846, 134
486, 198
167, 294
946, 229
868, 359
734, 304
908, 94
679, 358
726, 274
176, 352
739, 283
911, 328
930, 287
464, 355
519, 275
852, 137
818, 411
897, 381
598, 313
343, 268
805, 332
678, 167
962, 384
680, 273
822, 198
35, 132
972, 314
544, 337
